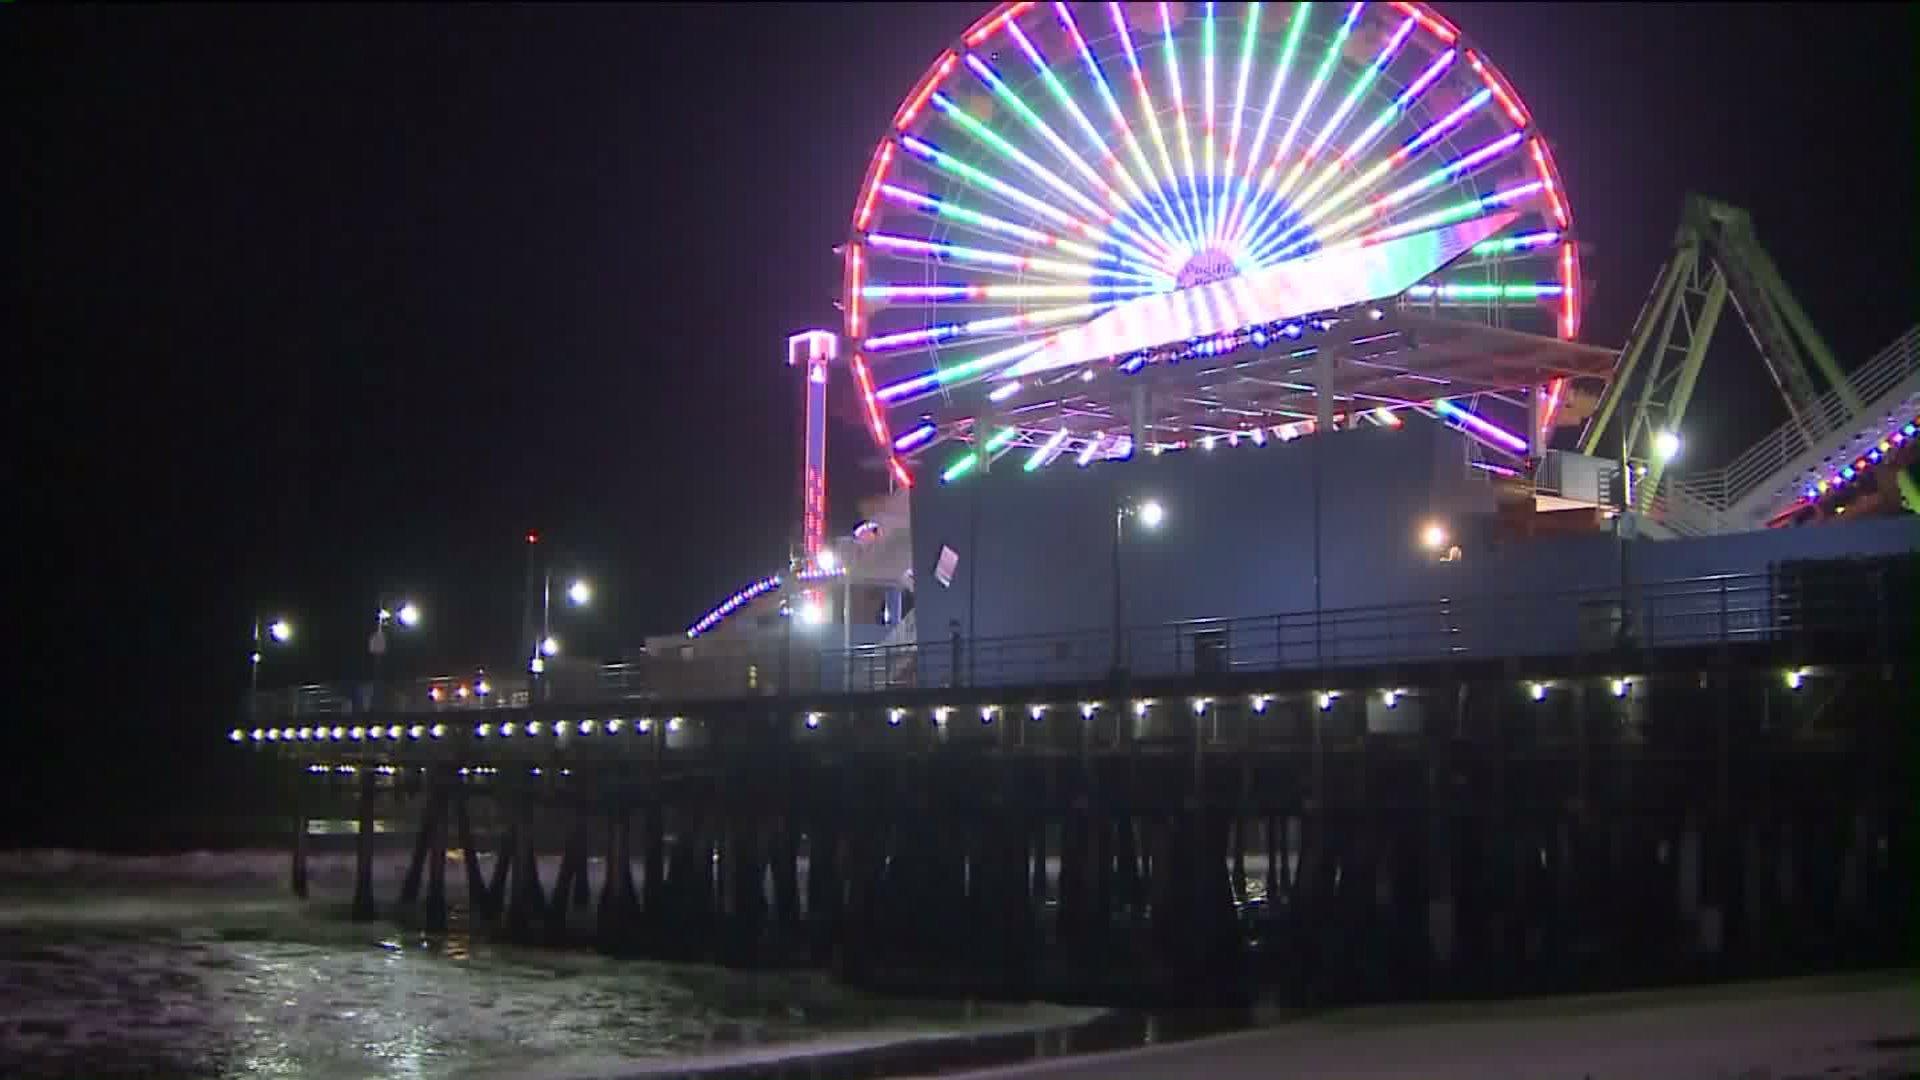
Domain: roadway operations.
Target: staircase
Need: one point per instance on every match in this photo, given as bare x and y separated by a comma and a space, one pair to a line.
1773, 472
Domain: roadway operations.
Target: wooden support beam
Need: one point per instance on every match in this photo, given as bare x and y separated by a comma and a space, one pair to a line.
363, 905
479, 902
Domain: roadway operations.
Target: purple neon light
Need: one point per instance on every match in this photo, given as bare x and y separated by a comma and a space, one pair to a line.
1482, 426
904, 387
732, 604
914, 438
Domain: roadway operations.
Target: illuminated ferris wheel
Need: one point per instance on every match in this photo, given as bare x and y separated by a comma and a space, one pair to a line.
1079, 200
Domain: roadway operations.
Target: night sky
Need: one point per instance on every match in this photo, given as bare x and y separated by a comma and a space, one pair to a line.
316, 302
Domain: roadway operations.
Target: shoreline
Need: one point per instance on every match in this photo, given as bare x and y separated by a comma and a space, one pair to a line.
992, 1036
1123, 1038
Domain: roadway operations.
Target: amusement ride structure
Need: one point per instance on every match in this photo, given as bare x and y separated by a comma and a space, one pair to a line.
1097, 230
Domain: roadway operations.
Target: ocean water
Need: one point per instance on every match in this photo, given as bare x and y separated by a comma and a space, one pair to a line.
202, 966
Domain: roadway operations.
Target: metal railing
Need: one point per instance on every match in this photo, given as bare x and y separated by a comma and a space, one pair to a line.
1721, 490
1703, 611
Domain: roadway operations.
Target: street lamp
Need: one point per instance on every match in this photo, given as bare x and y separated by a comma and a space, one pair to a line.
278, 632
405, 614
1151, 514
578, 593
1666, 446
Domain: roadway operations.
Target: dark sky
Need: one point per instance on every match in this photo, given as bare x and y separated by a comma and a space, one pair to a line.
315, 301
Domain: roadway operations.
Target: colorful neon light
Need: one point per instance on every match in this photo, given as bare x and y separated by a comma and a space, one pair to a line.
1553, 392
988, 257
998, 324
1015, 193
873, 186
976, 293
1135, 200
1485, 292
1163, 252
1345, 108
1481, 425
1264, 201
814, 350
1283, 66
1365, 181
1511, 244
999, 21
1433, 23
1866, 462
914, 438
987, 222
1513, 110
928, 85
732, 604
1046, 450
1152, 113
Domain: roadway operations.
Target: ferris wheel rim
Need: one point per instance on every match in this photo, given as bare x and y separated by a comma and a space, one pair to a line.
1537, 150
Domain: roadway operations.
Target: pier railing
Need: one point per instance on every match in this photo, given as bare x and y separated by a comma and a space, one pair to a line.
1852, 613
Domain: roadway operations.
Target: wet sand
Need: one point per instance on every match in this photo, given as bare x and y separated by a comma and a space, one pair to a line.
1832, 1028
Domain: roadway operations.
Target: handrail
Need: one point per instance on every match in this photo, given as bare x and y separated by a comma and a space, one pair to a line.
1685, 513
1708, 610
1723, 488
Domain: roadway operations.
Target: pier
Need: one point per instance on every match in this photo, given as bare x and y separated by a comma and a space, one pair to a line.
1708, 777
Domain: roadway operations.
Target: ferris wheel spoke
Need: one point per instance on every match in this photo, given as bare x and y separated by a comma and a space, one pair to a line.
1209, 145
1243, 188
1169, 179
978, 367
954, 166
1147, 210
999, 144
1410, 193
1157, 247
924, 247
1374, 130
1338, 121
974, 293
1447, 215
1262, 202
973, 126
1152, 191
1365, 181
1171, 53
994, 325
947, 210
1479, 293
1250, 33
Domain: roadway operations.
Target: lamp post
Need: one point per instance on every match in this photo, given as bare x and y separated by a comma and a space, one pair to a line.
544, 645
277, 632
1151, 514
405, 614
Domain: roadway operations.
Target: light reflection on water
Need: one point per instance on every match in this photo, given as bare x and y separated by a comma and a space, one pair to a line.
228, 982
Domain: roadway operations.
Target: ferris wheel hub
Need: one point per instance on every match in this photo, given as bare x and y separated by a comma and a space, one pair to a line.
1207, 266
